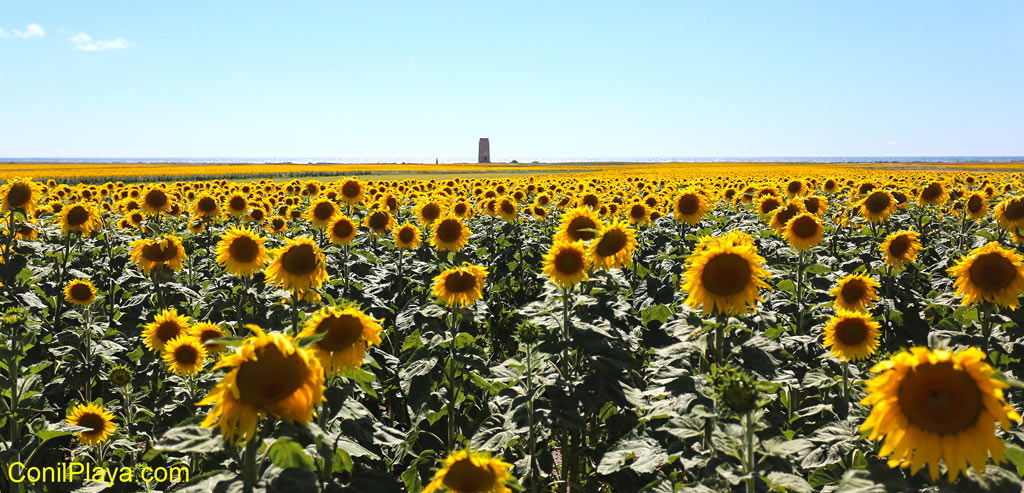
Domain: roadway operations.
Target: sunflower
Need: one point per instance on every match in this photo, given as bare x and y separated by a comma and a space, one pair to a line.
204, 205
614, 247
690, 207
321, 212
120, 375
795, 188
208, 331
185, 354
638, 213
783, 214
933, 194
461, 286
462, 209
578, 224
407, 236
155, 200
428, 212
725, 274
166, 325
931, 405
352, 191
877, 206
298, 266
901, 248
467, 471
851, 335
977, 205
277, 224
241, 251
990, 273
804, 232
767, 204
92, 416
237, 204
816, 205
20, 193
450, 234
349, 332
269, 375
1010, 213
380, 222
80, 218
80, 292
855, 292
566, 263
149, 254
507, 208
342, 230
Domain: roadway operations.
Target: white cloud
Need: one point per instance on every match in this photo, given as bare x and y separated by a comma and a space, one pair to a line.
85, 42
31, 31
3, 34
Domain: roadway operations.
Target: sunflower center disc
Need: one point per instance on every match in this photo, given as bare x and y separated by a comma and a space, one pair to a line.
378, 220
637, 212
19, 195
168, 330
805, 227
449, 231
272, 377
688, 204
940, 398
784, 215
342, 332
342, 229
81, 292
726, 274
460, 282
156, 199
612, 241
431, 212
466, 477
186, 355
581, 222
278, 223
351, 189
237, 203
794, 187
899, 246
974, 203
323, 211
77, 216
568, 262
812, 205
207, 204
851, 332
460, 209
992, 272
91, 420
299, 260
878, 202
243, 249
769, 205
853, 291
931, 192
590, 200
1014, 210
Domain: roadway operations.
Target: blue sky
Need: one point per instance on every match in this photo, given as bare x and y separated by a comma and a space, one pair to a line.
542, 80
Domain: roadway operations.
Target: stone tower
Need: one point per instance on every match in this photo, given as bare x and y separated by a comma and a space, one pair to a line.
484, 154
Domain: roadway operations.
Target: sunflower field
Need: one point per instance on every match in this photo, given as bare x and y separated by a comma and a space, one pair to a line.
645, 329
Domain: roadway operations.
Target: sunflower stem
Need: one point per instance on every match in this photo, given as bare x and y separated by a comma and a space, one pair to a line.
295, 314
749, 449
88, 354
529, 413
60, 283
986, 325
800, 294
452, 329
249, 469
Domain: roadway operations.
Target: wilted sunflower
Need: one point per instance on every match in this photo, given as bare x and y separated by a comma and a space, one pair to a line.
93, 416
241, 252
80, 218
321, 212
851, 336
931, 405
580, 223
165, 326
990, 273
460, 286
380, 222
614, 247
352, 191
20, 193
269, 375
298, 266
725, 274
467, 471
566, 263
804, 232
342, 230
208, 331
349, 332
450, 234
1010, 213
80, 292
877, 206
690, 207
204, 205
407, 236
148, 254
855, 292
185, 354
901, 248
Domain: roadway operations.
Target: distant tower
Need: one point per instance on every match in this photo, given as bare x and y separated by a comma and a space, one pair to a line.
484, 155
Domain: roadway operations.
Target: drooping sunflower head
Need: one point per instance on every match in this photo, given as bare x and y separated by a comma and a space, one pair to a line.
185, 354
614, 247
352, 191
241, 252
80, 292
81, 218
348, 333
460, 286
579, 224
990, 274
901, 248
851, 336
467, 471
343, 230
566, 263
877, 206
206, 332
449, 234
379, 221
268, 374
690, 207
298, 266
320, 212
726, 275
804, 231
92, 416
855, 292
149, 254
1010, 213
937, 405
408, 236
120, 375
165, 326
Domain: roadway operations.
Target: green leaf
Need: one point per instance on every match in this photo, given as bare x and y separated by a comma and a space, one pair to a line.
1015, 455
60, 429
285, 453
306, 341
661, 313
191, 438
227, 341
789, 482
